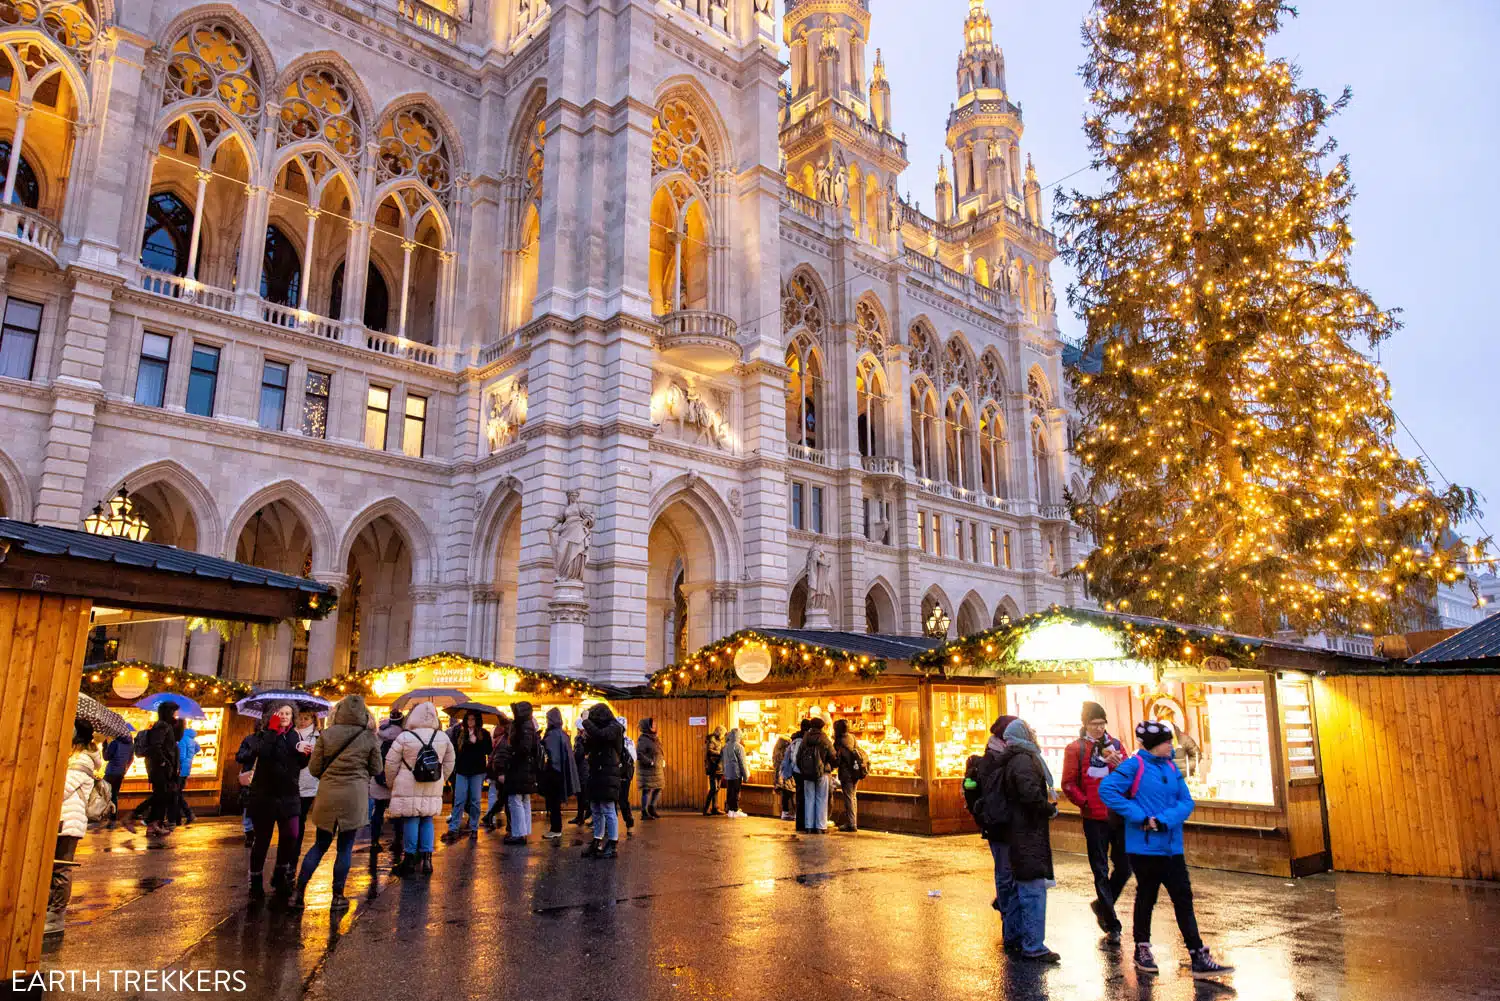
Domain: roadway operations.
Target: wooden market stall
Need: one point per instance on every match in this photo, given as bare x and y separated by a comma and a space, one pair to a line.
120, 684
50, 579
1243, 707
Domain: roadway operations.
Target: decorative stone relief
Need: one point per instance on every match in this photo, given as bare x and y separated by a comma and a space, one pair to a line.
691, 413
505, 412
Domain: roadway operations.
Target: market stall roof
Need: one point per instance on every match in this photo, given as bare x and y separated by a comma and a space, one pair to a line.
142, 575
1471, 651
886, 647
808, 655
456, 670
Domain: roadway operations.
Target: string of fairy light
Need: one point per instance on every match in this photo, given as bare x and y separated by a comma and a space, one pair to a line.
1241, 447
713, 666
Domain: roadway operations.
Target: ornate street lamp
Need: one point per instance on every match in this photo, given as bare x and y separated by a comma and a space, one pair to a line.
937, 623
117, 517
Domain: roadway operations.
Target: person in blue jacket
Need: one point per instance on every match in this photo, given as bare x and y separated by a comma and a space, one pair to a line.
1150, 793
187, 749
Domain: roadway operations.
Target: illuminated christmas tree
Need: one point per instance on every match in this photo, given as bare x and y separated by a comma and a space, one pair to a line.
1239, 444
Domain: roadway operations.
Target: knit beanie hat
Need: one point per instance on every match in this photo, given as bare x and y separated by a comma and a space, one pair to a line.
83, 732
1093, 711
998, 729
1150, 733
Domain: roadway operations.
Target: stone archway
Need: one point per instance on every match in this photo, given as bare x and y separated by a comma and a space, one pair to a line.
687, 606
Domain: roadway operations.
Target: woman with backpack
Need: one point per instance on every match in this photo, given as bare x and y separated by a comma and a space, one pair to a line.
379, 792
736, 770
416, 766
85, 772
1149, 792
713, 768
852, 766
814, 763
651, 766
521, 773
277, 755
344, 759
604, 740
559, 778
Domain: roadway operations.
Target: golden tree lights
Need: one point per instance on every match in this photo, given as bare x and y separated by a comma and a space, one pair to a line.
1239, 445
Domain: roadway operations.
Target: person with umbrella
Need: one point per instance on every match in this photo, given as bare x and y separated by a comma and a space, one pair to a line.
344, 759
84, 770
472, 749
277, 756
158, 747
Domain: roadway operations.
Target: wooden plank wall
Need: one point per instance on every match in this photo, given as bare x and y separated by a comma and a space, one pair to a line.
42, 641
1411, 772
683, 744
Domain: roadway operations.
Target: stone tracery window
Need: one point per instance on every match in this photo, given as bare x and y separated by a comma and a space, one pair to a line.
73, 24
530, 162
319, 104
411, 144
958, 369
801, 308
211, 60
992, 377
869, 331
1039, 397
869, 385
804, 392
677, 142
993, 460
923, 352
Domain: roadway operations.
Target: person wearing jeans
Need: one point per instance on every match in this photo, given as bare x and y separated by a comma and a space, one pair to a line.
604, 743
815, 760
1027, 785
344, 759
1151, 795
1087, 762
417, 801
472, 745
735, 770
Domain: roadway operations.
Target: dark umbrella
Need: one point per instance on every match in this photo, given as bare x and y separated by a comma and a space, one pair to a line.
103, 719
255, 705
186, 707
472, 707
440, 697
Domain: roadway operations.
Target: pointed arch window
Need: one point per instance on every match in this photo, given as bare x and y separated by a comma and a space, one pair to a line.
28, 190
1041, 463
682, 243
992, 456
377, 298
804, 393
281, 270
925, 432
870, 390
958, 433
168, 232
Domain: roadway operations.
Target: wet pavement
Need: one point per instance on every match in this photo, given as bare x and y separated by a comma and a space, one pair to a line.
700, 908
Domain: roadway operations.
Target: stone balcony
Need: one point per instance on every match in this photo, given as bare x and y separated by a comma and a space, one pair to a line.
31, 235
881, 466
700, 340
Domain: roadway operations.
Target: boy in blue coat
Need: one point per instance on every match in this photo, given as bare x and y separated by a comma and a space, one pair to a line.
1149, 792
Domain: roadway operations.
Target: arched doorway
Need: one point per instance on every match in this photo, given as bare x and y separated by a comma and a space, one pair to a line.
972, 617
682, 571
375, 620
275, 538
796, 606
880, 611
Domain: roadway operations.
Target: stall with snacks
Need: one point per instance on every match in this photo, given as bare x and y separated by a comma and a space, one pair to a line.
1239, 707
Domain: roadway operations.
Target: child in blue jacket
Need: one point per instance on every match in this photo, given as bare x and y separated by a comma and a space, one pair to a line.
1148, 791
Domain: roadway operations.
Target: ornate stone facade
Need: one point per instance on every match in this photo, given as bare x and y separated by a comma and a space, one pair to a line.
367, 291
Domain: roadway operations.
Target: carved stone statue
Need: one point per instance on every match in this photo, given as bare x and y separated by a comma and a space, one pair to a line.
819, 571
569, 534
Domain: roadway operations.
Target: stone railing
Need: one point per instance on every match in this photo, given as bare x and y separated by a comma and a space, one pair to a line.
700, 339
495, 350
803, 453
187, 290
830, 110
31, 229
935, 487
881, 465
1002, 504
400, 347
428, 18
1053, 512
805, 206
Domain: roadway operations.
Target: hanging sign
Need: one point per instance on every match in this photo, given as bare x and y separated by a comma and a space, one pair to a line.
131, 682
697, 721
752, 663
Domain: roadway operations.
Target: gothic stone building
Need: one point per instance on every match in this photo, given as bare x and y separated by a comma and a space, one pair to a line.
362, 290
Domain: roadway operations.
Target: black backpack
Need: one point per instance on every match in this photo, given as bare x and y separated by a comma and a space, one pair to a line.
385, 748
991, 807
428, 767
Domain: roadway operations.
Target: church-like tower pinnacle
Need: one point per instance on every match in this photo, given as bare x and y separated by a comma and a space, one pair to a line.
981, 65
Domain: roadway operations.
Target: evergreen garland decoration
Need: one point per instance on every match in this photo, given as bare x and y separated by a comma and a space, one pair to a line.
712, 667
528, 682
1155, 642
204, 689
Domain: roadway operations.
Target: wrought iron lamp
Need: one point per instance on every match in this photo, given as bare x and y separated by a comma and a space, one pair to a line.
117, 517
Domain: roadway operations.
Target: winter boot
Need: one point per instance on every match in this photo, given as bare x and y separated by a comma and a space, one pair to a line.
299, 896
427, 863
594, 848
405, 867
1205, 966
339, 904
257, 887
285, 882
54, 925
1144, 961
611, 850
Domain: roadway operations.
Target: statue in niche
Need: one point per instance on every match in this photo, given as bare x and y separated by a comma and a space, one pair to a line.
569, 535
1013, 283
1049, 298
880, 525
819, 572
506, 414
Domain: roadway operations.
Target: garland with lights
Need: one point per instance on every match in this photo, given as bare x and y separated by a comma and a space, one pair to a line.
205, 689
528, 682
994, 650
1238, 441
712, 667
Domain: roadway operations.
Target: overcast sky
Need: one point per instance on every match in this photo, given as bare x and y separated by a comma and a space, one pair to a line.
1421, 135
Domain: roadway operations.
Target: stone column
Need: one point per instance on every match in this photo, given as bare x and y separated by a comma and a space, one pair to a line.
423, 622
323, 634
203, 651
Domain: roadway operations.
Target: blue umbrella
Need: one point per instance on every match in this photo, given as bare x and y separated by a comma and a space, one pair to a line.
186, 707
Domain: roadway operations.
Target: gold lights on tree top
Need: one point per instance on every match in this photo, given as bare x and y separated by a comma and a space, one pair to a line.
1239, 443
712, 667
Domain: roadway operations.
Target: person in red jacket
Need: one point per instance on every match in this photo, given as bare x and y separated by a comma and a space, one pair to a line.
1085, 764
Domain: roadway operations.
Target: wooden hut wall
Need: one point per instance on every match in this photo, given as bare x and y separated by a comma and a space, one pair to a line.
681, 743
42, 640
1410, 768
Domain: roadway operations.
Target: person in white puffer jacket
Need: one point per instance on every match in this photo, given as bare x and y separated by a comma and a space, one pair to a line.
84, 767
416, 803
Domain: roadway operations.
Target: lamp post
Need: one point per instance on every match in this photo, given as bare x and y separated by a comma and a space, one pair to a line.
937, 623
117, 517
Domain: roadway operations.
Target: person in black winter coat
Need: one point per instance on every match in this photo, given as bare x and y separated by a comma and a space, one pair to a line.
1028, 789
158, 747
713, 767
851, 764
277, 754
814, 764
604, 742
471, 748
521, 773
581, 762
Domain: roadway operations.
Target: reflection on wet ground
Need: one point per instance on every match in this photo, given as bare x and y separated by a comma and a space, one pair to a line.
709, 908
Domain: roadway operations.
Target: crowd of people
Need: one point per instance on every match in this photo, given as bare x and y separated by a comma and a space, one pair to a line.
1133, 810
360, 772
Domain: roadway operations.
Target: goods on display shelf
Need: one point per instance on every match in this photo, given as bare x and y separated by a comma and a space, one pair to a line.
961, 721
1237, 746
885, 726
1053, 712
1297, 730
208, 731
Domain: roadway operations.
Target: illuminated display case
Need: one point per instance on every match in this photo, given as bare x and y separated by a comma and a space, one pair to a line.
961, 719
210, 733
886, 726
1236, 745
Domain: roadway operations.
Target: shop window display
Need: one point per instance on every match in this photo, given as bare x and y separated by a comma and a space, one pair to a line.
961, 721
885, 725
207, 730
